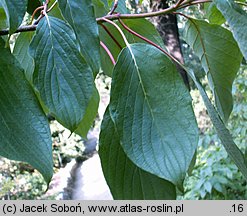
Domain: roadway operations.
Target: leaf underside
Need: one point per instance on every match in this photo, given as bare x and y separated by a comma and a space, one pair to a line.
220, 58
237, 19
22, 55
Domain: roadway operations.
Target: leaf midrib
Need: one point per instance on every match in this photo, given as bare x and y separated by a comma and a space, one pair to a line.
153, 119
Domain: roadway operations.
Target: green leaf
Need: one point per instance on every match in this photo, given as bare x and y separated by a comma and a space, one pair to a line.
90, 114
220, 58
62, 77
100, 8
237, 19
152, 111
55, 12
214, 15
144, 28
192, 164
3, 22
121, 8
106, 63
236, 155
80, 15
15, 11
24, 129
141, 26
22, 55
3, 18
105, 2
125, 179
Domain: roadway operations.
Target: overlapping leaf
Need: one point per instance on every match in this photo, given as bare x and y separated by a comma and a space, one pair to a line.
62, 77
214, 15
152, 111
3, 19
237, 19
55, 12
220, 58
121, 8
100, 8
90, 115
234, 152
136, 25
22, 55
15, 11
114, 48
125, 179
24, 129
80, 15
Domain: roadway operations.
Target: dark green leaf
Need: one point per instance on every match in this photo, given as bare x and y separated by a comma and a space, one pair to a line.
62, 77
80, 15
126, 180
15, 11
90, 114
32, 5
22, 55
152, 111
220, 58
224, 135
24, 129
237, 19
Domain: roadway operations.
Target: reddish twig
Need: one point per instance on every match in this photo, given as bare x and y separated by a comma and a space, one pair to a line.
148, 41
111, 35
117, 16
108, 52
35, 11
190, 3
114, 7
119, 30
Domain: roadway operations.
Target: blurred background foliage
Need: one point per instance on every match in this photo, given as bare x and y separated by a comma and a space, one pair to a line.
214, 176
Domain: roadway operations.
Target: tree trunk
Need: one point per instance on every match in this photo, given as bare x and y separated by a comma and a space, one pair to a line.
168, 29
